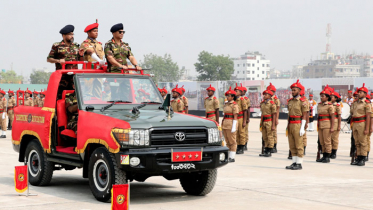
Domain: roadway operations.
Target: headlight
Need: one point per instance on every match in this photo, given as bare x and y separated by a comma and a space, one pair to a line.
214, 135
131, 137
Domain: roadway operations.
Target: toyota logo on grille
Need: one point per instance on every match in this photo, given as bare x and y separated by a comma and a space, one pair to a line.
180, 136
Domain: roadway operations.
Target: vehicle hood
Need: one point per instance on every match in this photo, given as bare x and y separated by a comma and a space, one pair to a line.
158, 118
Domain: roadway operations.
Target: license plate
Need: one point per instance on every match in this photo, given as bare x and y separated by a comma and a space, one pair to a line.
185, 155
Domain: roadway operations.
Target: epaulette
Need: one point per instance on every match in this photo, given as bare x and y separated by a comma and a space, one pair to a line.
242, 99
4, 99
301, 99
330, 103
100, 43
86, 40
275, 97
337, 105
125, 43
178, 101
289, 99
207, 98
57, 43
272, 102
234, 102
214, 97
246, 97
366, 100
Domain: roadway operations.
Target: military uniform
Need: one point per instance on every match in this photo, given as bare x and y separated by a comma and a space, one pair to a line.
95, 45
185, 101
325, 111
60, 50
41, 102
297, 106
308, 111
11, 105
120, 52
2, 111
29, 101
278, 104
230, 109
20, 101
267, 108
70, 100
177, 105
241, 133
36, 101
211, 105
248, 104
335, 134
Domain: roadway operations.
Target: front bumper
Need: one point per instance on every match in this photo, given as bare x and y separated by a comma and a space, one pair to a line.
154, 161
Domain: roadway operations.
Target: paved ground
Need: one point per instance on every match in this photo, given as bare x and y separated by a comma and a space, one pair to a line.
251, 182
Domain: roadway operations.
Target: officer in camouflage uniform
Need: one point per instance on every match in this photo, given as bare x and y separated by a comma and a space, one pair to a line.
66, 50
72, 111
117, 52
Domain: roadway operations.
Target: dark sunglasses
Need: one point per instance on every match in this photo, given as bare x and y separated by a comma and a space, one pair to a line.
121, 32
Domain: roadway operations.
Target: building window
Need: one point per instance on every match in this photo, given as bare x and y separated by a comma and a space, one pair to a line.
258, 68
248, 72
330, 70
238, 65
252, 79
238, 72
253, 72
357, 70
267, 65
243, 65
262, 72
257, 61
253, 64
262, 78
243, 72
248, 65
257, 76
262, 64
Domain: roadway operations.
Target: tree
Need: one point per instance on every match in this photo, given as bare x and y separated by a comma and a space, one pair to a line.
163, 68
39, 77
11, 77
213, 67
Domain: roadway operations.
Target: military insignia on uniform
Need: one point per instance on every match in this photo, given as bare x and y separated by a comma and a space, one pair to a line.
86, 45
115, 49
86, 40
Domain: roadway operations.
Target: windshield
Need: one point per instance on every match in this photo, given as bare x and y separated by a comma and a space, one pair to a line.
104, 90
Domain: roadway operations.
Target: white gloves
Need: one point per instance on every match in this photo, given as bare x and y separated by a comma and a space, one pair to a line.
94, 56
302, 132
3, 115
234, 126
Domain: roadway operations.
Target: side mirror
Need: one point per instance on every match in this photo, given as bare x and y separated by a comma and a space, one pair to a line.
89, 108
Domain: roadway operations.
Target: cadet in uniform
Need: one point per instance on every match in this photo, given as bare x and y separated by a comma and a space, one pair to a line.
66, 50
20, 99
185, 100
28, 98
35, 98
272, 88
229, 123
42, 99
312, 103
268, 120
361, 116
176, 103
3, 113
336, 98
247, 115
117, 52
371, 128
92, 48
11, 105
212, 105
325, 124
242, 107
164, 93
307, 119
296, 126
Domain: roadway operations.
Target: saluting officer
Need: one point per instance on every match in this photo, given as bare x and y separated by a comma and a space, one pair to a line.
229, 123
117, 52
278, 104
296, 126
268, 122
361, 121
176, 103
212, 105
3, 113
28, 98
336, 98
11, 105
242, 107
92, 48
185, 100
248, 103
66, 50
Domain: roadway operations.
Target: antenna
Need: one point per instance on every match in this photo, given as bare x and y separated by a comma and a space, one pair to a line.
328, 36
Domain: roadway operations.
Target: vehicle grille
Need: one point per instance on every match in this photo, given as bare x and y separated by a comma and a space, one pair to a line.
166, 136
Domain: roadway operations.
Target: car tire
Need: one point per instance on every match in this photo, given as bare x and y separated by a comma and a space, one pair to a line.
40, 170
199, 183
103, 173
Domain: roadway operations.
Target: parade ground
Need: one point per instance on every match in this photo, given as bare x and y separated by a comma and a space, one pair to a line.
252, 182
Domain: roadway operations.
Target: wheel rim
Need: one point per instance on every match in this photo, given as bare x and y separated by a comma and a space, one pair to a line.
101, 175
34, 163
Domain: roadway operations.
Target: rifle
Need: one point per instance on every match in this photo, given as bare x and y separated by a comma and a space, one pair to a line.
319, 149
262, 145
353, 152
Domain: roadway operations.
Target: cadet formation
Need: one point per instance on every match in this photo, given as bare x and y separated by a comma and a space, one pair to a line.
236, 109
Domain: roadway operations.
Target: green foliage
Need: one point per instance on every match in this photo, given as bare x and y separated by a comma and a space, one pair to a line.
39, 77
163, 68
11, 77
213, 67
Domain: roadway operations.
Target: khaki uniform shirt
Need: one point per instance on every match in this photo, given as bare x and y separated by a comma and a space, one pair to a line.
20, 101
268, 107
297, 106
177, 105
41, 102
60, 50
231, 108
29, 101
36, 101
185, 101
242, 106
361, 107
11, 103
337, 111
325, 108
211, 104
277, 101
95, 45
248, 102
120, 52
3, 105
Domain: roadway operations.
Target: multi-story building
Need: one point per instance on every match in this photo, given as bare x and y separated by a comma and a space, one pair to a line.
297, 71
330, 68
251, 66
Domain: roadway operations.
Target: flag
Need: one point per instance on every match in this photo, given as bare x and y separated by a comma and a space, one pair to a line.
20, 178
120, 197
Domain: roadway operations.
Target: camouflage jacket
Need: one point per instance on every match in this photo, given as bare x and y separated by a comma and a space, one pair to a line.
62, 51
119, 52
71, 100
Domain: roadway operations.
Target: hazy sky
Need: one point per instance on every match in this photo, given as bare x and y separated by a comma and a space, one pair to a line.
287, 32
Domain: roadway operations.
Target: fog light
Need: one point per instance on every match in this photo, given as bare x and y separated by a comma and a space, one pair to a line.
222, 156
134, 161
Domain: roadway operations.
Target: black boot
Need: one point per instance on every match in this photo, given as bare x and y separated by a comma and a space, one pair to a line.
245, 147
361, 161
334, 154
304, 153
327, 158
274, 149
267, 152
367, 157
321, 159
239, 149
297, 167
291, 166
356, 161
290, 156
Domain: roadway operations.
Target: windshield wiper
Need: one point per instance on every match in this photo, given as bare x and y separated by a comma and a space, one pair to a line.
151, 102
136, 109
112, 103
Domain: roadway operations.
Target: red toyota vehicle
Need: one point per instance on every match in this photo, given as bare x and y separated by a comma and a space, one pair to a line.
125, 132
